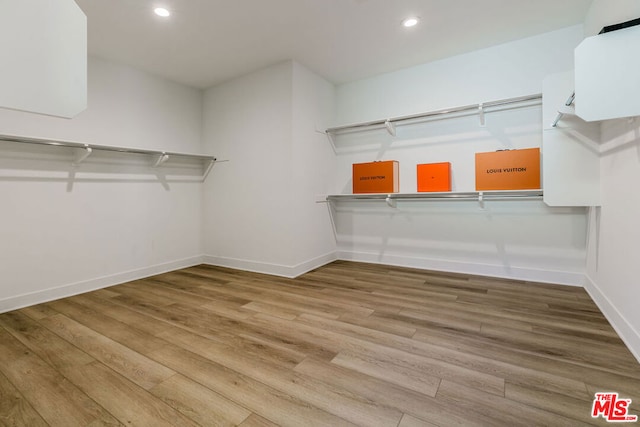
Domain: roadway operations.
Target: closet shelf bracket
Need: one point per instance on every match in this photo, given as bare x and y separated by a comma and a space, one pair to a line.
570, 99
568, 103
163, 157
392, 203
391, 127
481, 114
82, 154
209, 167
332, 141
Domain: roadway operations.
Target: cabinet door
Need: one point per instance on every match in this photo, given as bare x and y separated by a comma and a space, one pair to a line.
43, 45
570, 151
607, 79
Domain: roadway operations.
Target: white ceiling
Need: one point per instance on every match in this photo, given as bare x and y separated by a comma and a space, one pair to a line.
206, 42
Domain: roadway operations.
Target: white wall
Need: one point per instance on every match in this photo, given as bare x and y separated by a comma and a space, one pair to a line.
503, 71
247, 121
113, 218
312, 169
613, 269
524, 240
260, 210
609, 12
127, 107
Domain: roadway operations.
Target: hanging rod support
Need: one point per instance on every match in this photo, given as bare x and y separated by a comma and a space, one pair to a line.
209, 167
392, 203
82, 154
332, 141
481, 113
161, 159
570, 99
557, 119
391, 127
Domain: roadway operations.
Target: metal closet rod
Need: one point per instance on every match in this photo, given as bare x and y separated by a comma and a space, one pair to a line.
477, 108
57, 143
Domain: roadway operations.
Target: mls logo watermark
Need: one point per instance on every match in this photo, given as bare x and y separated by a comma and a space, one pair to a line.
612, 408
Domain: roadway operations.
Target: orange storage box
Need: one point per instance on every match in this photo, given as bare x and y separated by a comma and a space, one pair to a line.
508, 170
376, 177
434, 177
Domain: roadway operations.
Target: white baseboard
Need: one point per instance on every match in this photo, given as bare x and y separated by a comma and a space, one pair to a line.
517, 273
25, 300
625, 330
269, 268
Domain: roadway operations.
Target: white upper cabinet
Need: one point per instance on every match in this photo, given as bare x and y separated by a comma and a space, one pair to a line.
607, 77
43, 46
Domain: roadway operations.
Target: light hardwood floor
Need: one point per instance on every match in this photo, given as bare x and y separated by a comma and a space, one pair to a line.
346, 344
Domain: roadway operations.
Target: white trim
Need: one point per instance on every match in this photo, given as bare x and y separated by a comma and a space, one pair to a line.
39, 297
622, 326
518, 273
270, 268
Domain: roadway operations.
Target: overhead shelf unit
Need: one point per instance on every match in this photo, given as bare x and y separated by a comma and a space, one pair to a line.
84, 150
606, 74
390, 124
480, 109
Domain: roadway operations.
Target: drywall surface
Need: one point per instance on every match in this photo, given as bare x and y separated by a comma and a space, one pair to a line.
609, 12
519, 239
504, 71
247, 121
127, 108
260, 209
312, 168
67, 229
613, 267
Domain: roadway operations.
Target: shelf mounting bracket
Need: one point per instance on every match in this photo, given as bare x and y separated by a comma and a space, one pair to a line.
570, 99
209, 167
481, 114
332, 141
557, 119
392, 203
82, 154
391, 127
161, 159
481, 199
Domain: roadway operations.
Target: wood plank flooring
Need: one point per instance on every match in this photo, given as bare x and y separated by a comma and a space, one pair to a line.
346, 344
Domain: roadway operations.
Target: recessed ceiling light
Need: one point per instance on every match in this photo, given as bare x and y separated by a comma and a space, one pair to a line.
410, 22
161, 11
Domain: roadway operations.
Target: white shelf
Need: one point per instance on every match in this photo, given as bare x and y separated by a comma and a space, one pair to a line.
479, 196
84, 150
479, 109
